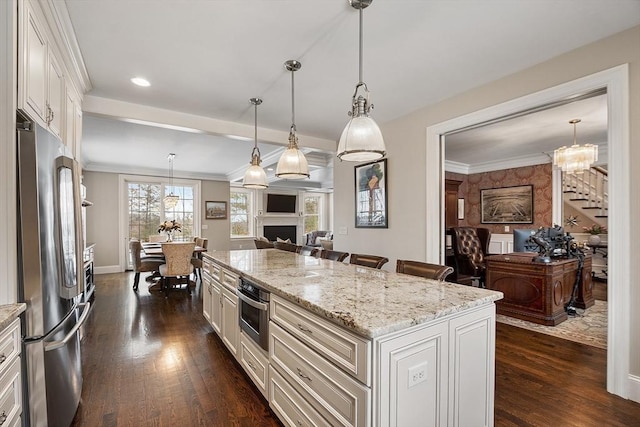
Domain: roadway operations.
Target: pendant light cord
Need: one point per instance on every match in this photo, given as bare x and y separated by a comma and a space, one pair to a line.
293, 103
255, 128
361, 49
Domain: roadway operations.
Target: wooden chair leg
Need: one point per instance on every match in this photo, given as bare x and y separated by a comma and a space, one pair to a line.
165, 285
136, 280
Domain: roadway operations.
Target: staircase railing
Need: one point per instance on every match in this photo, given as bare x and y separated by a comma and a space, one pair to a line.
590, 187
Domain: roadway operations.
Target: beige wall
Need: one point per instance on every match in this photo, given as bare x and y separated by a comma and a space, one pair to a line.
406, 151
103, 217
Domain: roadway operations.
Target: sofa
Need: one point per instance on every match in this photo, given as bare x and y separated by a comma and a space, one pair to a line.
313, 238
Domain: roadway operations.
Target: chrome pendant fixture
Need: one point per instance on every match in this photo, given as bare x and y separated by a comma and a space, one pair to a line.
361, 139
171, 200
292, 163
255, 177
575, 159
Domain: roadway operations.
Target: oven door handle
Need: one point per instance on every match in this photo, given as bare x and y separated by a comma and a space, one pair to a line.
255, 304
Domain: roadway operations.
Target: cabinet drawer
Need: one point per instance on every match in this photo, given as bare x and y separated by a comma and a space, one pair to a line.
9, 344
350, 352
333, 393
211, 268
11, 392
255, 363
290, 407
229, 279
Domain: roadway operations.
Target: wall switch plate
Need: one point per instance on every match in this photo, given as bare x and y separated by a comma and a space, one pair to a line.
205, 227
417, 374
506, 228
342, 230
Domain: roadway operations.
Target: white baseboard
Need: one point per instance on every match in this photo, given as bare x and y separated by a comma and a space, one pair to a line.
107, 269
634, 388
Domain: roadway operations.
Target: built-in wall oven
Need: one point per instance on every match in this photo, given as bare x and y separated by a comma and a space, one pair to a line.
253, 312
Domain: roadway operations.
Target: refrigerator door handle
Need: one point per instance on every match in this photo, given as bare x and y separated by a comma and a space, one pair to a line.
53, 345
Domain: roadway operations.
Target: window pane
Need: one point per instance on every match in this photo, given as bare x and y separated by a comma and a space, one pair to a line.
239, 209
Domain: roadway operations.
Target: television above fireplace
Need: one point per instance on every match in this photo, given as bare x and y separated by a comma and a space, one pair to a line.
281, 203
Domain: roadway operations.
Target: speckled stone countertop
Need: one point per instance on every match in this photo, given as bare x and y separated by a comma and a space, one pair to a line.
369, 302
9, 312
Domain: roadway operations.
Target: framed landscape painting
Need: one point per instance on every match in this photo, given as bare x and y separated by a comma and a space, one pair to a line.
371, 195
215, 210
507, 205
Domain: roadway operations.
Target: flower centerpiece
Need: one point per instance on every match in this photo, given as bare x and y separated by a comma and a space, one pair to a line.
169, 227
594, 230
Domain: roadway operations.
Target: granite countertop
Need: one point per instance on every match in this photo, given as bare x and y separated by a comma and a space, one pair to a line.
369, 302
9, 312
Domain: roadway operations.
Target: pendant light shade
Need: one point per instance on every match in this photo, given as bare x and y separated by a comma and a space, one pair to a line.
255, 177
292, 164
361, 139
171, 200
575, 159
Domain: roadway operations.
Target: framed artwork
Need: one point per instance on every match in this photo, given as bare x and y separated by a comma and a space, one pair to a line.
215, 210
371, 195
507, 205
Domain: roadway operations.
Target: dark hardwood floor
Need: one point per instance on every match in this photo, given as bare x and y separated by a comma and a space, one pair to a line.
154, 361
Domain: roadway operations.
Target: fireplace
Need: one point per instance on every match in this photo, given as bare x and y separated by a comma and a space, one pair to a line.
272, 232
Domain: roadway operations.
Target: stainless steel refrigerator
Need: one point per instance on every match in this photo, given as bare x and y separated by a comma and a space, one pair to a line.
51, 276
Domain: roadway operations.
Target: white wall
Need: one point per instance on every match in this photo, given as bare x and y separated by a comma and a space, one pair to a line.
406, 150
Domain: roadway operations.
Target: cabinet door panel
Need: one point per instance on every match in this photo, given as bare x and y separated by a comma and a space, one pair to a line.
56, 98
230, 323
35, 72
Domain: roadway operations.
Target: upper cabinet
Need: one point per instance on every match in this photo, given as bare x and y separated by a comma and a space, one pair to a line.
47, 91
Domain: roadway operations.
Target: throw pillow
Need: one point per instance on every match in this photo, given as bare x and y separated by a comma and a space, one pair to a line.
283, 241
318, 240
263, 239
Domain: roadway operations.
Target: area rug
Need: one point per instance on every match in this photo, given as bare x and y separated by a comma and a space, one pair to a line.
588, 327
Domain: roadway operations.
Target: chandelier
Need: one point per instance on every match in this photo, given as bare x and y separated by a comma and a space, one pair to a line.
575, 159
171, 200
361, 139
255, 177
292, 163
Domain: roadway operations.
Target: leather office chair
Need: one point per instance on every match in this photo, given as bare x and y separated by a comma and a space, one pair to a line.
470, 246
334, 255
142, 264
308, 250
177, 265
423, 269
284, 246
372, 261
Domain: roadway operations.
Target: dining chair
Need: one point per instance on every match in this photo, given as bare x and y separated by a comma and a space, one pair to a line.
156, 238
334, 255
423, 269
177, 265
308, 250
196, 259
142, 264
373, 261
284, 246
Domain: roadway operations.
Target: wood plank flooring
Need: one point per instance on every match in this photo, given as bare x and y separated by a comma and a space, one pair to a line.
154, 361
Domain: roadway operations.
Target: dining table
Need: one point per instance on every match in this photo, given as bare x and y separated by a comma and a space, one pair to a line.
155, 249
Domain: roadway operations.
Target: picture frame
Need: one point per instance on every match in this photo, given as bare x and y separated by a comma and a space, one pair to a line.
507, 205
371, 195
215, 210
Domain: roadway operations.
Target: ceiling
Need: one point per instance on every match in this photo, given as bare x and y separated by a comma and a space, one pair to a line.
205, 59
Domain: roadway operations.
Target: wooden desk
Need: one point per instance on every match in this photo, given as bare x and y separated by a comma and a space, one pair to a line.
536, 291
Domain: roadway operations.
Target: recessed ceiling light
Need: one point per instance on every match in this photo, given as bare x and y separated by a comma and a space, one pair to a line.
140, 82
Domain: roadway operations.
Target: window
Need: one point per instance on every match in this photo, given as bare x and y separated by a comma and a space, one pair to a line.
312, 213
241, 212
183, 211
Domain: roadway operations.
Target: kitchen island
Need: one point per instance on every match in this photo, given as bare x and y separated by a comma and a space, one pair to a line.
349, 345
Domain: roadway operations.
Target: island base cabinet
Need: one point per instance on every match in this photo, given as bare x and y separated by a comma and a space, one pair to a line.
290, 406
413, 378
230, 325
255, 363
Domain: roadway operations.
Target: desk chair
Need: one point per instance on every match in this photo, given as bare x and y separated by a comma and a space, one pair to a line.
423, 269
177, 265
334, 255
142, 264
372, 261
470, 246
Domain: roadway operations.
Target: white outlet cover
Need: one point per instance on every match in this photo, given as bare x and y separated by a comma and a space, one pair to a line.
417, 374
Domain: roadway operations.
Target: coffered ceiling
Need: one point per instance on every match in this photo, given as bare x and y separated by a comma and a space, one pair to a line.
205, 59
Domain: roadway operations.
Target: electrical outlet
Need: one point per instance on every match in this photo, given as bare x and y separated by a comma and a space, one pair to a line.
417, 374
506, 228
342, 230
205, 227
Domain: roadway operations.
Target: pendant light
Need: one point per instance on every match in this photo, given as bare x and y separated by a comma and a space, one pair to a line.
292, 163
361, 139
171, 200
575, 159
255, 177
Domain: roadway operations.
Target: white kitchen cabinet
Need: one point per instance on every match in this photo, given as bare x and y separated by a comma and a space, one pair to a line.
212, 295
72, 122
10, 374
216, 307
56, 96
255, 363
230, 324
32, 65
206, 295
